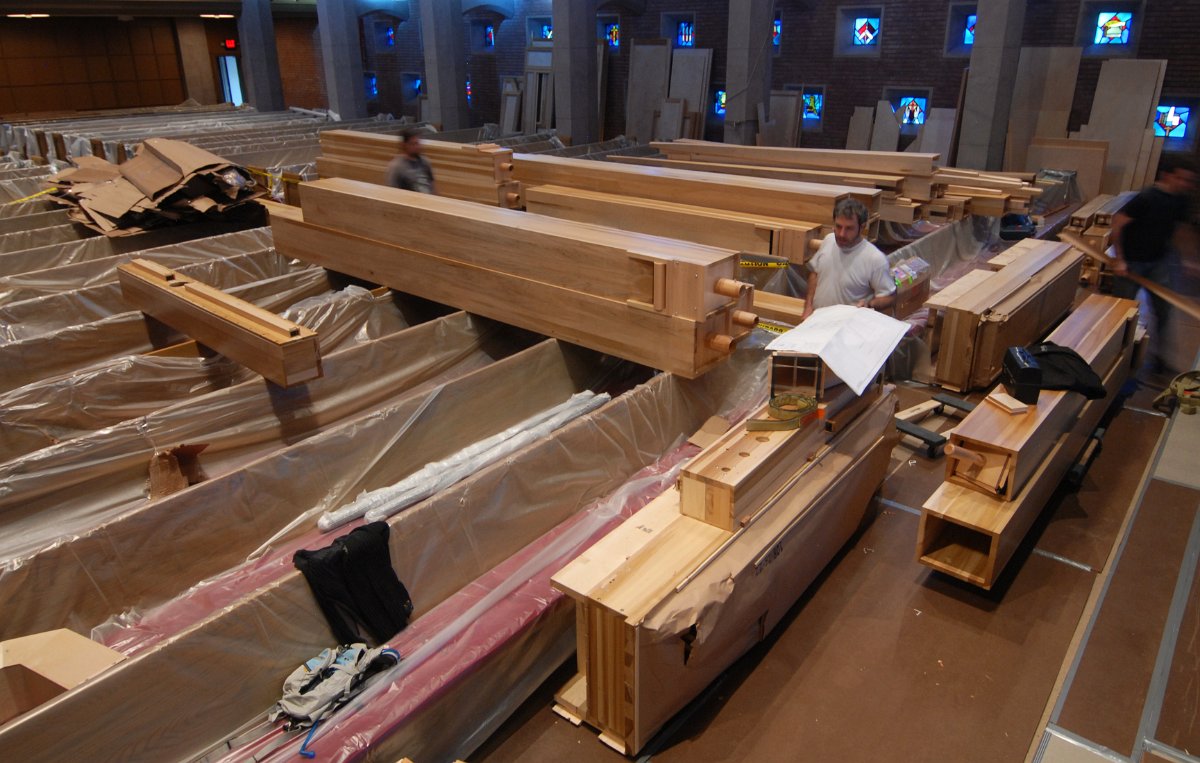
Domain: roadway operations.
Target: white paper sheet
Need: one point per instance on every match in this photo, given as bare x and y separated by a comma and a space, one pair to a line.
854, 342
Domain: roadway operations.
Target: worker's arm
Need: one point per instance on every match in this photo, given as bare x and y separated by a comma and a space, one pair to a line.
877, 302
1119, 221
809, 294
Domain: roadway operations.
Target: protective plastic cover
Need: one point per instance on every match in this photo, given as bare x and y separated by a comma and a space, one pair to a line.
208, 662
52, 410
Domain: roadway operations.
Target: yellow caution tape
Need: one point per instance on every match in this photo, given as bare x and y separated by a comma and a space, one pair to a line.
773, 328
757, 264
28, 198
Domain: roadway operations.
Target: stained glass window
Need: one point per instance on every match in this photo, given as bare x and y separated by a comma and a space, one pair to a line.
468, 89
1171, 121
685, 37
612, 33
389, 37
813, 103
776, 31
866, 31
719, 103
546, 31
489, 36
372, 84
969, 30
912, 110
1113, 28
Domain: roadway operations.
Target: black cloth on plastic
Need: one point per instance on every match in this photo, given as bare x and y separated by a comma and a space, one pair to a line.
1063, 368
355, 585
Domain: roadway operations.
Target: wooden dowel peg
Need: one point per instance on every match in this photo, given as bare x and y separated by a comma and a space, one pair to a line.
744, 318
729, 287
721, 342
963, 454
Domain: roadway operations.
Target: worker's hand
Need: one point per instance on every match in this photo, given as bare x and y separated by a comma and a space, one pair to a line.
1119, 266
863, 303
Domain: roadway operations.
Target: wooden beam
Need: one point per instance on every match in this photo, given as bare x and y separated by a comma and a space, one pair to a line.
752, 234
284, 352
803, 202
1175, 298
620, 327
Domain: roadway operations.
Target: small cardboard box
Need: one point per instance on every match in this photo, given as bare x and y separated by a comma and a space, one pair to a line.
36, 669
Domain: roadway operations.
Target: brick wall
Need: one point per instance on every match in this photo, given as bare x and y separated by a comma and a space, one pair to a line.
60, 64
911, 55
302, 72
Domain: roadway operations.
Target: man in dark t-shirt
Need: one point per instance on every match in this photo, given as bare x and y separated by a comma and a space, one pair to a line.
1142, 234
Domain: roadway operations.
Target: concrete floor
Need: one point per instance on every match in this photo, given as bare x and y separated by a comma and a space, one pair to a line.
1085, 650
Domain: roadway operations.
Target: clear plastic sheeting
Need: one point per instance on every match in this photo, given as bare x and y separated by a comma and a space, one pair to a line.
33, 206
58, 352
463, 646
54, 255
52, 410
260, 474
379, 504
59, 275
175, 705
42, 237
42, 315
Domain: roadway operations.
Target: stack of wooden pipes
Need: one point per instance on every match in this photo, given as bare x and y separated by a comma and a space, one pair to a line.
911, 185
472, 172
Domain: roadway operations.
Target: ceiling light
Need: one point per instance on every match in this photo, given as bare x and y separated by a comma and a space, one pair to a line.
216, 15
29, 15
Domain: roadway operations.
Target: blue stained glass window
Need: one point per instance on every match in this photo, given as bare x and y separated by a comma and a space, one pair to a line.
866, 31
390, 37
719, 103
1171, 121
468, 89
969, 30
372, 83
489, 36
612, 33
685, 37
813, 103
546, 31
1113, 28
912, 110
776, 31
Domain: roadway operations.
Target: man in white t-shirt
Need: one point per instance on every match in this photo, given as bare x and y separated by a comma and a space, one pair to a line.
848, 269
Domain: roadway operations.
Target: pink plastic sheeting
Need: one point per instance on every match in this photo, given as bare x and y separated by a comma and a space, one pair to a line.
454, 640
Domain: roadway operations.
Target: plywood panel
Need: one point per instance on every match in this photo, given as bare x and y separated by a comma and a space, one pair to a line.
858, 137
651, 60
885, 135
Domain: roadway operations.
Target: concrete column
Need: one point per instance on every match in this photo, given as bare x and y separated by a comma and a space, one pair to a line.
260, 63
445, 64
576, 114
990, 83
197, 63
747, 68
341, 54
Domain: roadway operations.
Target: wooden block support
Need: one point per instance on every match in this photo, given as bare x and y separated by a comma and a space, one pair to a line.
282, 351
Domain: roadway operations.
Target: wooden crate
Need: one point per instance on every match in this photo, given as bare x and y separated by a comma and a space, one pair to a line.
971, 532
666, 602
1010, 307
